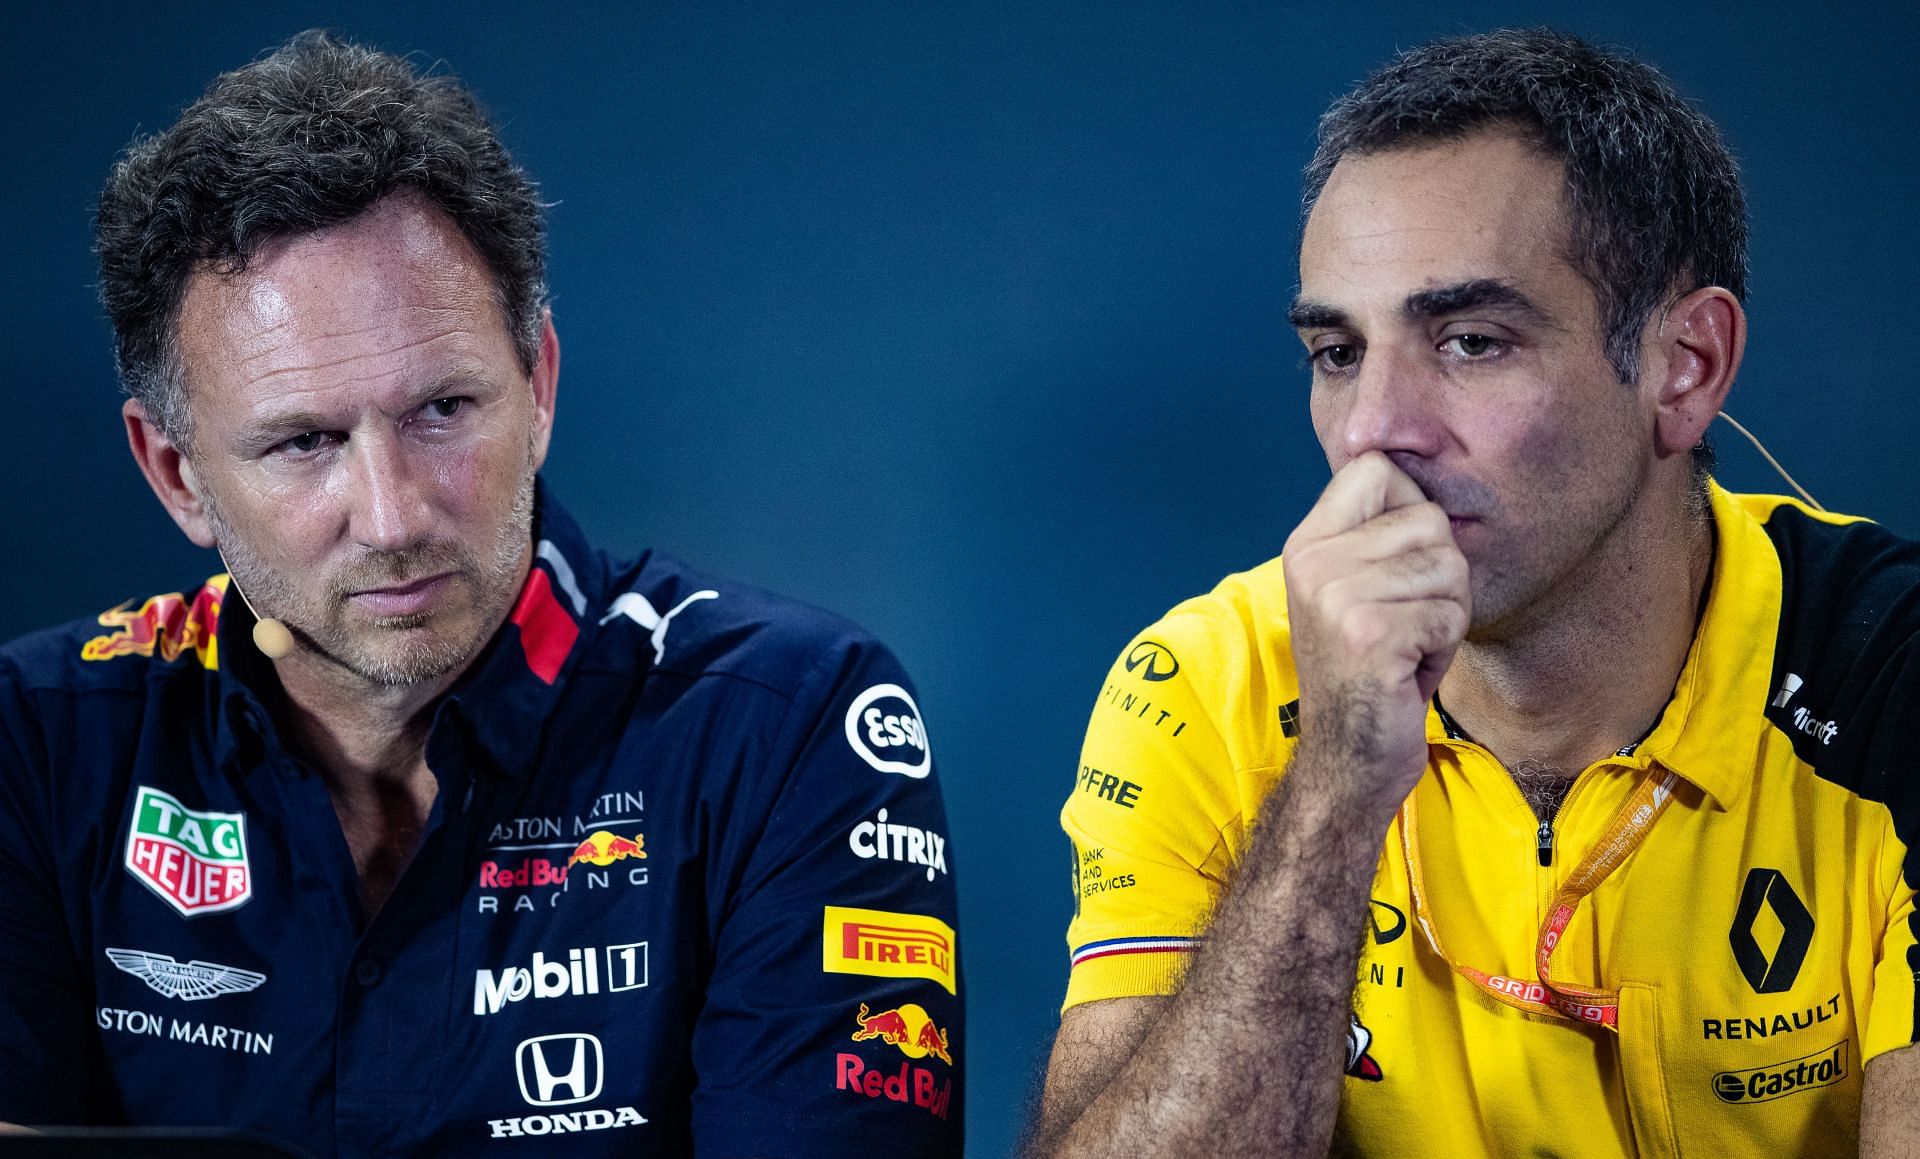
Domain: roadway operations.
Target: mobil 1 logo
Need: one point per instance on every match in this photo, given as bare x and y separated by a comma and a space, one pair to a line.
575, 973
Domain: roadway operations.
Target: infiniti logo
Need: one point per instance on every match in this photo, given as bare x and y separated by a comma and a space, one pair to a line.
1381, 934
1156, 658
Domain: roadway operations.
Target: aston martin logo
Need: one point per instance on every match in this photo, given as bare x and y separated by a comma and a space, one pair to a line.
190, 981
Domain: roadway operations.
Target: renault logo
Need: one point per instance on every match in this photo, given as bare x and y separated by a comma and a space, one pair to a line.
558, 1069
1768, 887
1159, 662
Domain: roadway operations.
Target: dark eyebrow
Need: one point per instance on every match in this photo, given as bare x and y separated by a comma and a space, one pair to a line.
261, 436
276, 429
1308, 315
1478, 294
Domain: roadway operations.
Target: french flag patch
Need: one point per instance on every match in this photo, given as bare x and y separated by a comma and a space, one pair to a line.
1156, 945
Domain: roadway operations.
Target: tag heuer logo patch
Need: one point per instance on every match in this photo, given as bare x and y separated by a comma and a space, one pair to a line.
188, 981
196, 861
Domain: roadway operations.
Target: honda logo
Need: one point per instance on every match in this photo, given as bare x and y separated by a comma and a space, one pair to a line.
559, 1064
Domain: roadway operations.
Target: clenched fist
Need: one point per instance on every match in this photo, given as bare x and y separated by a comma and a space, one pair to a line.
1378, 600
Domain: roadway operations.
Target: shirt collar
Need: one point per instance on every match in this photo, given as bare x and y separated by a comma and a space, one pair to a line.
500, 707
240, 680
1712, 727
512, 688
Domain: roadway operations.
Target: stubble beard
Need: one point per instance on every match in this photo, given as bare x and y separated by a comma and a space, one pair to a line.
391, 651
1515, 592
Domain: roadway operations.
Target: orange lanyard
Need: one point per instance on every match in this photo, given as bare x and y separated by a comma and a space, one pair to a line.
1542, 995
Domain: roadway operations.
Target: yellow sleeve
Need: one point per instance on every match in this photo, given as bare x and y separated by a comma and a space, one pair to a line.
1150, 817
1893, 1021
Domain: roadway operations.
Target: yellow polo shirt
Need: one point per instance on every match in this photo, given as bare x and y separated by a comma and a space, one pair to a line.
1763, 939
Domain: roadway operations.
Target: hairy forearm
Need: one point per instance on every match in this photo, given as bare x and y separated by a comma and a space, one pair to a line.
1890, 1106
1248, 1056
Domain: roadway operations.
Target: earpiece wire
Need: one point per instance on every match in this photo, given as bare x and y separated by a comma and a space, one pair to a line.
1771, 461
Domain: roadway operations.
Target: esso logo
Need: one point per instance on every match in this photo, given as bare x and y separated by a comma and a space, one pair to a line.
884, 727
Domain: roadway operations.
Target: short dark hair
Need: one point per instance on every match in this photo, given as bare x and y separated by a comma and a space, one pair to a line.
309, 136
1654, 192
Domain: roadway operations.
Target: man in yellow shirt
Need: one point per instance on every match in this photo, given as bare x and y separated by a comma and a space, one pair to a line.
1542, 797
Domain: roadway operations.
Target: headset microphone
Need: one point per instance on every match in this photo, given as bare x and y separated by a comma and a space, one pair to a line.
269, 635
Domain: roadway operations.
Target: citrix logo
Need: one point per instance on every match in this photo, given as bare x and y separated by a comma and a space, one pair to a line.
886, 841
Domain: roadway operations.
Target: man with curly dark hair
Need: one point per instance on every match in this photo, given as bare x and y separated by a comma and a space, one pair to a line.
427, 824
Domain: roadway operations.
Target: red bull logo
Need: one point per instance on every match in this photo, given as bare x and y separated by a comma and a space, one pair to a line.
909, 1027
913, 1085
605, 848
166, 626
533, 873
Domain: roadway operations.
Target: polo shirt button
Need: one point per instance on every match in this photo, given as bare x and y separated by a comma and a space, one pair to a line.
367, 973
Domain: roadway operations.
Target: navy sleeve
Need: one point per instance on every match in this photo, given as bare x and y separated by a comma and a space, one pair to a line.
834, 1019
47, 1040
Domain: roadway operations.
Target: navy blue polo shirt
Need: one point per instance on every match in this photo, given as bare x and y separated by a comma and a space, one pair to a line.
686, 887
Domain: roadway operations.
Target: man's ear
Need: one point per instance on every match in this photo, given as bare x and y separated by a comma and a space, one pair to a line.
1695, 354
546, 384
168, 472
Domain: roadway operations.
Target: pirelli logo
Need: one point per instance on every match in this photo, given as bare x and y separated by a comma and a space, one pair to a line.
887, 945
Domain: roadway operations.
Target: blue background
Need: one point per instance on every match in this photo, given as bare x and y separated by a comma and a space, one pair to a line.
963, 320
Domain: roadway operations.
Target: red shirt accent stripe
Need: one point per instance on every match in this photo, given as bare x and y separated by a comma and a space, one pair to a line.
547, 632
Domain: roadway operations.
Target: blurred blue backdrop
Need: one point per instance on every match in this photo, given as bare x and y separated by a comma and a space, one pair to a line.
963, 320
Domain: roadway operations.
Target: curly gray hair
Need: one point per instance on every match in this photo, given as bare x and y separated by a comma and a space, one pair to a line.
309, 136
